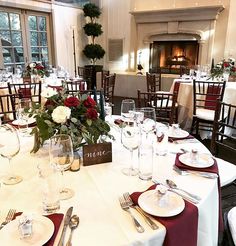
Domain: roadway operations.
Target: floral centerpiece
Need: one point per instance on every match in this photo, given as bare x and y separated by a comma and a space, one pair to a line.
34, 68
224, 66
77, 116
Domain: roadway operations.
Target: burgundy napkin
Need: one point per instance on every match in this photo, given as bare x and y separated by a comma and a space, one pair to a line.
211, 169
22, 126
56, 219
180, 229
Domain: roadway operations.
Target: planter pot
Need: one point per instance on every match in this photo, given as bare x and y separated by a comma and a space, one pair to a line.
94, 69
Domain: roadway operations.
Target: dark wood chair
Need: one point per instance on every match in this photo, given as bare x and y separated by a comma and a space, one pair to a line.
103, 75
73, 87
153, 82
26, 90
224, 128
227, 240
86, 73
163, 102
109, 87
7, 108
205, 96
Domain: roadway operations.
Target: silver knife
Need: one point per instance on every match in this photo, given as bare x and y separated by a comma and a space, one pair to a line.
66, 223
186, 197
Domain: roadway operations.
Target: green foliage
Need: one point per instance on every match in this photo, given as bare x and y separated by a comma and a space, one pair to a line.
91, 10
94, 52
93, 29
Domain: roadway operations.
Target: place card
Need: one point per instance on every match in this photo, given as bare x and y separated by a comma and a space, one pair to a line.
97, 153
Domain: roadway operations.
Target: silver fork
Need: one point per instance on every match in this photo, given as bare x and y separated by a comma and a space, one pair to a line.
126, 208
148, 220
198, 173
9, 217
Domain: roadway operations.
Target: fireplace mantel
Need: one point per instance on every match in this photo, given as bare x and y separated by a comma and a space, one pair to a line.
178, 14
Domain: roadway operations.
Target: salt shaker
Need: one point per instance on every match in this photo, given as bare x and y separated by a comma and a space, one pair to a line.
25, 226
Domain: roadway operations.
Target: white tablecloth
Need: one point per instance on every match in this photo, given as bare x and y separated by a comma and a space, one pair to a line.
97, 188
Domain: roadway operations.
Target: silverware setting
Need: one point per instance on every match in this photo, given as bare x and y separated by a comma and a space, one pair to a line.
148, 220
198, 173
73, 224
9, 217
184, 196
124, 205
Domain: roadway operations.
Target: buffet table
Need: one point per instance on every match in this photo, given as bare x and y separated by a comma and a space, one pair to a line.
97, 188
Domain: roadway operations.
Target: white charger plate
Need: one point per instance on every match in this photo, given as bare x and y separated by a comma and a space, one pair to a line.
22, 123
179, 134
43, 229
204, 160
149, 203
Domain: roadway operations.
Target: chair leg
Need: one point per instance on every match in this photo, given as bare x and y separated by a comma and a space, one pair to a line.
192, 126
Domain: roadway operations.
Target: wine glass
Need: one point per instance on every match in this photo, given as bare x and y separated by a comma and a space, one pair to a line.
24, 105
130, 139
127, 107
62, 156
9, 147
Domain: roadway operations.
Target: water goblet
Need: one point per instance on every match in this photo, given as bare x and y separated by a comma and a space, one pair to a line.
127, 107
9, 147
61, 155
130, 139
149, 120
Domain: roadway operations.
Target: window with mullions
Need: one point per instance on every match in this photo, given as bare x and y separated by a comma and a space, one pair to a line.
74, 2
38, 38
11, 39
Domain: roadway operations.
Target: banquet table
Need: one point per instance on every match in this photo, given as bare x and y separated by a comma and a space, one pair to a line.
185, 99
97, 188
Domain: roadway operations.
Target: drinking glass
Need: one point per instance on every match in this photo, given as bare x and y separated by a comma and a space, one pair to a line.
25, 104
149, 120
127, 107
130, 139
62, 156
161, 145
9, 147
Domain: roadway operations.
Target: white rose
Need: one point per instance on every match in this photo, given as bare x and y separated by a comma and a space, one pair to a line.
60, 114
32, 65
48, 92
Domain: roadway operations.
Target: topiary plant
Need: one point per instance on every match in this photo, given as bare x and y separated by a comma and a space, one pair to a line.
93, 51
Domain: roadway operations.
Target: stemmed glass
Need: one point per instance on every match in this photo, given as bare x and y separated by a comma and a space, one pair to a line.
62, 156
24, 105
9, 147
130, 139
127, 107
149, 120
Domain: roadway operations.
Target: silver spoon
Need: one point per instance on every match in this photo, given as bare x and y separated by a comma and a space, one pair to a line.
173, 185
74, 222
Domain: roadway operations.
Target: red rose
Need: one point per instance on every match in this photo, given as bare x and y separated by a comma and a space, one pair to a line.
49, 103
39, 67
89, 103
71, 102
92, 114
233, 69
226, 64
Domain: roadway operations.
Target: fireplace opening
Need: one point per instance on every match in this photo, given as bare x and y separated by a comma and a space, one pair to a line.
172, 56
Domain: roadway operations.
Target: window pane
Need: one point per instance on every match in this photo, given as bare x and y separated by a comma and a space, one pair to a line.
42, 23
35, 54
34, 38
7, 55
6, 38
44, 52
16, 38
15, 21
19, 54
32, 22
43, 39
4, 22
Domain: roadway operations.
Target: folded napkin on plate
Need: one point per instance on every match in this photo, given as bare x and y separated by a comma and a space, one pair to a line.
56, 219
180, 229
171, 139
22, 126
211, 169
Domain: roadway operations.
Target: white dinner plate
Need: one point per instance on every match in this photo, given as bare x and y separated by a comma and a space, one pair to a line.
43, 229
22, 122
204, 160
178, 134
148, 201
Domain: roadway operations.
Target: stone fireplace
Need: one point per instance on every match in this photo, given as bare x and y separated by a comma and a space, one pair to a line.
175, 37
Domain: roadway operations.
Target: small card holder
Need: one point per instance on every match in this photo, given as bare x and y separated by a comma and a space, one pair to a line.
97, 153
